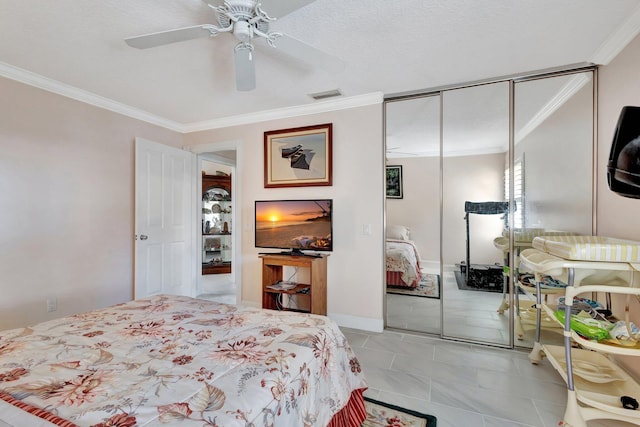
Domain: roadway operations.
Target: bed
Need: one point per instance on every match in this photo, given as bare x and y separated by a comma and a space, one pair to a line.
402, 258
179, 361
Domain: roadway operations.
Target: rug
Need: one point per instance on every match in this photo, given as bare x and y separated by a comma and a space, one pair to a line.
486, 284
383, 414
429, 287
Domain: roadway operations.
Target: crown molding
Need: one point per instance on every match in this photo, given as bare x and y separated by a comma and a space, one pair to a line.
36, 80
287, 112
618, 40
63, 89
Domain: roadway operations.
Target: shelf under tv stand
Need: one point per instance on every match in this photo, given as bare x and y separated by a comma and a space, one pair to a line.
272, 272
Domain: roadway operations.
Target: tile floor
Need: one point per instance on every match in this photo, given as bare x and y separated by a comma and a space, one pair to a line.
469, 315
226, 297
224, 291
463, 385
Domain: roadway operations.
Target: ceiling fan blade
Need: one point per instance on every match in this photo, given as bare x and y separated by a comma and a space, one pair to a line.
245, 67
172, 36
309, 54
279, 8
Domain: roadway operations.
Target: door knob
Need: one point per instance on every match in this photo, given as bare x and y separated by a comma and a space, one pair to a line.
143, 237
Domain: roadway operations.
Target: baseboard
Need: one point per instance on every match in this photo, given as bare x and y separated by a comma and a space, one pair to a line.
354, 322
449, 268
430, 265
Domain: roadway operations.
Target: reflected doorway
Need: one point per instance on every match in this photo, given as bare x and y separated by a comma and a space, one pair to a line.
217, 281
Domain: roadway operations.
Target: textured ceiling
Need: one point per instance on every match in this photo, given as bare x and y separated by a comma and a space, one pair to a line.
388, 46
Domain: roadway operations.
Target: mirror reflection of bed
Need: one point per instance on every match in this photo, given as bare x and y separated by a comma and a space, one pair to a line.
413, 284
413, 288
453, 146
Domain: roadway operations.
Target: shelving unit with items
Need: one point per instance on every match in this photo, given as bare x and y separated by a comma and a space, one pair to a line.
216, 224
524, 309
597, 387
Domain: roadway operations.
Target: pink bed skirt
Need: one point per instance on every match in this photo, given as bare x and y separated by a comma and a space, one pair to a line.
40, 413
352, 415
354, 412
394, 278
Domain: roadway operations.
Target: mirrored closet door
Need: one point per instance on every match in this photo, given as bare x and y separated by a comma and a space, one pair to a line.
475, 141
413, 287
553, 161
472, 170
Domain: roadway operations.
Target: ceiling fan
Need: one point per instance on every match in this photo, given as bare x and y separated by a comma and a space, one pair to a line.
248, 22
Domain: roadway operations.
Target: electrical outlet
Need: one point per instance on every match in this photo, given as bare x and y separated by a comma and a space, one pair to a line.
52, 305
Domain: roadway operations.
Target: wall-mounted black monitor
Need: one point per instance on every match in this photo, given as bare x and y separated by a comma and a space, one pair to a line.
623, 169
294, 225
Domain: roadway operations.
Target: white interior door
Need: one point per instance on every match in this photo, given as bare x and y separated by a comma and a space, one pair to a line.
164, 220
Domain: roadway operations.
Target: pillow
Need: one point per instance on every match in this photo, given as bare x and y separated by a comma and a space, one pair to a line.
399, 232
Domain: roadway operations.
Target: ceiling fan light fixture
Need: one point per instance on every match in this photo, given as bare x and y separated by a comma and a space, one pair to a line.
327, 94
243, 31
245, 67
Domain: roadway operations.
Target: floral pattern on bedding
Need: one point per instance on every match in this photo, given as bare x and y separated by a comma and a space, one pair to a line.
402, 256
172, 360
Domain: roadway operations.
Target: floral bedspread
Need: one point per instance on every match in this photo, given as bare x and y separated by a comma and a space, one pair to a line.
402, 256
180, 361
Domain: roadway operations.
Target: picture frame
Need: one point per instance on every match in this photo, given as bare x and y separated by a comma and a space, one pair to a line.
394, 182
299, 157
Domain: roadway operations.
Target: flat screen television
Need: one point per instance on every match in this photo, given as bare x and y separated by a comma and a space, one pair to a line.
294, 226
623, 169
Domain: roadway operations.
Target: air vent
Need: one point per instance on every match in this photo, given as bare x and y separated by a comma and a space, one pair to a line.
324, 95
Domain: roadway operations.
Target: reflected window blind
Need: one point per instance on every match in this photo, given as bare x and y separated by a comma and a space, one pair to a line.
518, 186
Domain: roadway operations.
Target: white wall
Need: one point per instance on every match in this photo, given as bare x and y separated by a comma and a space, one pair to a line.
558, 166
478, 178
355, 267
419, 209
66, 204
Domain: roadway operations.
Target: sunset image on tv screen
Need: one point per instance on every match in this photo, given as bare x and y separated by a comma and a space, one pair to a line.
294, 224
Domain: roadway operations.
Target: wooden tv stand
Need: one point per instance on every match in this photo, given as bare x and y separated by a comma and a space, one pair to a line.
314, 293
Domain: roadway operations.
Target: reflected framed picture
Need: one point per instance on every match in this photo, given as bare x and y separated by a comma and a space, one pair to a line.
394, 182
299, 157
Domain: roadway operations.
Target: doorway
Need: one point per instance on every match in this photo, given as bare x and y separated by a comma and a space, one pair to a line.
221, 242
217, 281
